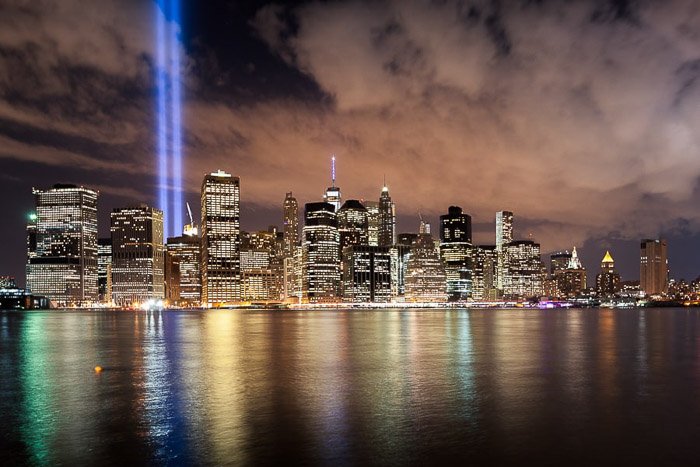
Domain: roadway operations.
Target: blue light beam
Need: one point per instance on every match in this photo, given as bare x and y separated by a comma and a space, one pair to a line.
161, 111
176, 119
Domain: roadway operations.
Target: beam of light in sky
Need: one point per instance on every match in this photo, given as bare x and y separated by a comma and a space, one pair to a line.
161, 114
176, 121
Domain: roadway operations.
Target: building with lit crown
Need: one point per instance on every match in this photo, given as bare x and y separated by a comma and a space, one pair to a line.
62, 245
607, 282
221, 229
137, 255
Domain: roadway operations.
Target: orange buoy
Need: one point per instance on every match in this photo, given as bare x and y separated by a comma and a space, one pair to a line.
98, 369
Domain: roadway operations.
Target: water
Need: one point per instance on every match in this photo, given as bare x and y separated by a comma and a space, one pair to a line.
350, 387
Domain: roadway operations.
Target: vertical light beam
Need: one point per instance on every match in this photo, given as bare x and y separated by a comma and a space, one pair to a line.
161, 103
176, 120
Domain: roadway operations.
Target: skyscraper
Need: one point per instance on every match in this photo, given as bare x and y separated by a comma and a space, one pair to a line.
332, 195
137, 255
607, 282
366, 274
524, 275
570, 280
455, 250
104, 269
221, 231
183, 256
262, 266
63, 265
504, 235
291, 225
374, 222
387, 219
484, 262
353, 224
425, 273
653, 267
321, 253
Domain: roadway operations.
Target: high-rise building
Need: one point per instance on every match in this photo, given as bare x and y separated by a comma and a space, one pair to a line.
400, 254
291, 225
321, 253
504, 235
570, 281
524, 275
456, 252
653, 267
425, 273
183, 270
607, 282
63, 237
353, 224
484, 262
387, 219
374, 222
137, 255
332, 195
221, 229
262, 266
366, 274
104, 269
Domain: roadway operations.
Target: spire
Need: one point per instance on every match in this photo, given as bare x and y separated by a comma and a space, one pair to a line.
608, 258
385, 188
574, 262
333, 170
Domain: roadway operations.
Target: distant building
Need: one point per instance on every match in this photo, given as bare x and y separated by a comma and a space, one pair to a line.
607, 282
387, 219
321, 253
504, 235
425, 273
653, 267
484, 265
104, 269
456, 252
183, 270
366, 274
137, 255
400, 254
570, 280
262, 266
62, 245
374, 222
221, 230
291, 225
525, 273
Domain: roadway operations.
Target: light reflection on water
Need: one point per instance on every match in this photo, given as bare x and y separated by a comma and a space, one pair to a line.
350, 387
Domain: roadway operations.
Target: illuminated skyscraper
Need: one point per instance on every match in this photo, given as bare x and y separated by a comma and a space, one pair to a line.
321, 253
455, 250
425, 273
137, 255
504, 234
221, 229
262, 266
387, 219
183, 270
332, 195
104, 269
570, 280
484, 262
653, 267
607, 282
366, 274
374, 222
353, 224
291, 225
63, 265
525, 273
400, 254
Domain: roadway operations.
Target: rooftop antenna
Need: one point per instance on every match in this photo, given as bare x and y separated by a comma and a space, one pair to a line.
333, 170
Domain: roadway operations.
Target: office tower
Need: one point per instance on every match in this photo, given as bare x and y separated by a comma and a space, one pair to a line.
221, 229
63, 265
183, 269
406, 239
291, 225
353, 224
399, 255
374, 222
653, 267
332, 195
292, 285
137, 255
504, 235
104, 269
524, 275
262, 263
484, 262
456, 251
425, 273
570, 281
607, 282
366, 274
321, 253
387, 219
559, 261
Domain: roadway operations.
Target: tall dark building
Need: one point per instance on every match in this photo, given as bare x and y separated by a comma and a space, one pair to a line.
456, 251
387, 219
221, 242
137, 255
291, 225
320, 253
653, 267
353, 224
366, 274
63, 265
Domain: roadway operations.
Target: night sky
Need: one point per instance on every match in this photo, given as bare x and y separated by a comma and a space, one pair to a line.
582, 117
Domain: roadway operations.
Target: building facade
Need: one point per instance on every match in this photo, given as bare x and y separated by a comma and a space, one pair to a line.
653, 267
104, 269
456, 253
321, 253
366, 274
504, 235
183, 270
387, 219
425, 273
524, 275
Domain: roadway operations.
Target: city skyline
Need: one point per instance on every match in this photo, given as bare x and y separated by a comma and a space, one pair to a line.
496, 117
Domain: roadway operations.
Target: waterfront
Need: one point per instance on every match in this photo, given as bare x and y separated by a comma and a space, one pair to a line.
350, 387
